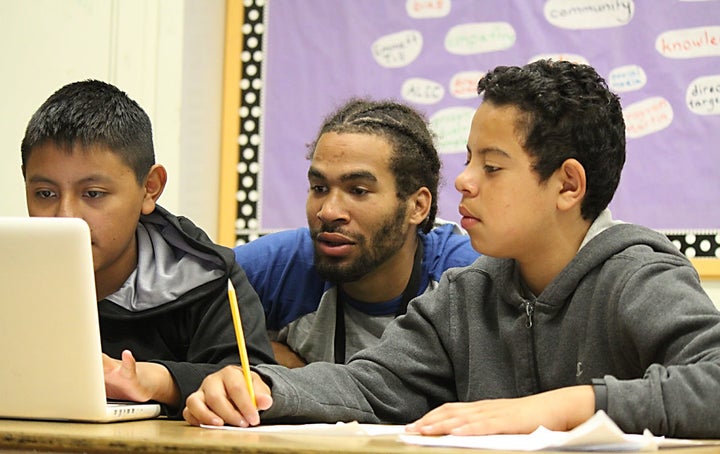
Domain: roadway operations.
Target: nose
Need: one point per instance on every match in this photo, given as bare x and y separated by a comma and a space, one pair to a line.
464, 183
66, 208
332, 208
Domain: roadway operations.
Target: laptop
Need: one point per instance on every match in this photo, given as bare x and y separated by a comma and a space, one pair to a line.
50, 353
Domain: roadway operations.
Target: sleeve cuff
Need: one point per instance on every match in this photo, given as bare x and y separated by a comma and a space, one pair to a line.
601, 397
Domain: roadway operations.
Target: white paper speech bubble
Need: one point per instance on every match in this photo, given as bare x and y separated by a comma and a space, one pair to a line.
574, 58
397, 49
463, 85
589, 14
422, 91
647, 116
452, 126
689, 42
627, 78
427, 9
479, 37
703, 95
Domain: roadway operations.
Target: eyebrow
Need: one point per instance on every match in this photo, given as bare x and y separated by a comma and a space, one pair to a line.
89, 179
489, 150
357, 175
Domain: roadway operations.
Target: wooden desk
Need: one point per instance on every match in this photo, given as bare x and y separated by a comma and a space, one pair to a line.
161, 435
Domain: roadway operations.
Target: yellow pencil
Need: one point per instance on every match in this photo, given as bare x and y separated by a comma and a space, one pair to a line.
240, 340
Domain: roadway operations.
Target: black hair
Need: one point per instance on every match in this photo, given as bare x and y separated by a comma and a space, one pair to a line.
414, 163
567, 112
92, 113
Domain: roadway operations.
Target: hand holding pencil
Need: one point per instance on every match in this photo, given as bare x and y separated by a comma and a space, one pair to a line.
223, 398
228, 396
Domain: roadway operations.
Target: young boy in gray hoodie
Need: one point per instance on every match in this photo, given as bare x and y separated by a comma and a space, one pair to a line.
567, 312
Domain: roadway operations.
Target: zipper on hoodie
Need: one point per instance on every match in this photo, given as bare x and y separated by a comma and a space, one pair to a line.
529, 309
530, 375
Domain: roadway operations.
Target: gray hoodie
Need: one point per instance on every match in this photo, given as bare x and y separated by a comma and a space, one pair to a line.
627, 314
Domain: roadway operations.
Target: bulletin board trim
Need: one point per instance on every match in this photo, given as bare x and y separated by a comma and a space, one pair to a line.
230, 125
707, 268
237, 226
702, 248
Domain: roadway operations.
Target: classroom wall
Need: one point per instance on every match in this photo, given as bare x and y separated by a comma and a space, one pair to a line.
429, 54
712, 287
661, 56
166, 54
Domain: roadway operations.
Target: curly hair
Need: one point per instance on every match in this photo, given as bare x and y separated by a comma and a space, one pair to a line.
568, 112
414, 163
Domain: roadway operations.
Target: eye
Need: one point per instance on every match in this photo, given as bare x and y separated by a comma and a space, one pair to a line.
491, 169
94, 194
359, 191
44, 194
318, 188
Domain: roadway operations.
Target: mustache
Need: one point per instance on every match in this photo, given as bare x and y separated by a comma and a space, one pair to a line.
329, 228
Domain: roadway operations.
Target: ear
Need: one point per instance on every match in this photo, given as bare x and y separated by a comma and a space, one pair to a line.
573, 184
419, 205
154, 186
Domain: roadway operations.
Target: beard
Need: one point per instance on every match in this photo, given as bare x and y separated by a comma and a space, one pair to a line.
386, 241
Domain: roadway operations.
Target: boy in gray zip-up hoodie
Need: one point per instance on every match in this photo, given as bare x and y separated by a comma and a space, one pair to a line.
567, 312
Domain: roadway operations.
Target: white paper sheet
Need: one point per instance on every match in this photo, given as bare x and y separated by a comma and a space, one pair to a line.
598, 433
323, 429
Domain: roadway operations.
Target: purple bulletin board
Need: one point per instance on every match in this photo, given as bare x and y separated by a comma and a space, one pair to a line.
661, 56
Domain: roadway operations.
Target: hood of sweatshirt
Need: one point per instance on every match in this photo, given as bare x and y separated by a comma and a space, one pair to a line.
614, 241
174, 258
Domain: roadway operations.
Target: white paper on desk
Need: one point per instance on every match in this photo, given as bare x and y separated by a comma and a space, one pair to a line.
598, 433
321, 429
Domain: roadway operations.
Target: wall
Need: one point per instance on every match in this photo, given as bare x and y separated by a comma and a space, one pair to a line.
712, 287
311, 54
661, 56
166, 54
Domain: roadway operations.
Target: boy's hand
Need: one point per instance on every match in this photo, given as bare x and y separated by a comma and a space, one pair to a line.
561, 409
127, 379
223, 398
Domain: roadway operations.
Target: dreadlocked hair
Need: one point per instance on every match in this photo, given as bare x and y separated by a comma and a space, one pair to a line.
414, 163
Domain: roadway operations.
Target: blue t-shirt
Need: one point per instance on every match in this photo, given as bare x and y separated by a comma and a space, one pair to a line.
280, 268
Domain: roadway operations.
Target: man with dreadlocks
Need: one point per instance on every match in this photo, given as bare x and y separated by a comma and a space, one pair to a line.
372, 243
